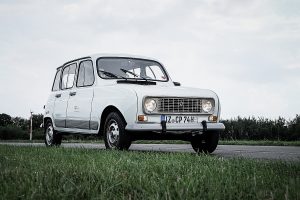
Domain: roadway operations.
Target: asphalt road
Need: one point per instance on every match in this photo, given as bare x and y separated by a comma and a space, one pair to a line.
284, 153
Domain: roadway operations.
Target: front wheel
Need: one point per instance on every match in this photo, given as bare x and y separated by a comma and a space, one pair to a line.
115, 135
205, 143
52, 137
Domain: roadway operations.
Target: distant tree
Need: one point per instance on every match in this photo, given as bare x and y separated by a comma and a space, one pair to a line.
5, 119
21, 123
294, 128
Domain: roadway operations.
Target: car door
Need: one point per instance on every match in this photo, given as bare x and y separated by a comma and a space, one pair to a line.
49, 107
80, 102
62, 96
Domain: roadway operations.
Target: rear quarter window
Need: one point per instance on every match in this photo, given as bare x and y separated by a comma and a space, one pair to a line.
55, 86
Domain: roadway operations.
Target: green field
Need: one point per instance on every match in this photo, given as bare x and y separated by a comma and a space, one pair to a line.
60, 173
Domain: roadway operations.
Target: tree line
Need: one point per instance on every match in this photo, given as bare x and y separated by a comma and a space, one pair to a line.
252, 128
239, 128
18, 128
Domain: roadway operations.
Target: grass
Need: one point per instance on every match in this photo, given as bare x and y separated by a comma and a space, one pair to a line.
60, 173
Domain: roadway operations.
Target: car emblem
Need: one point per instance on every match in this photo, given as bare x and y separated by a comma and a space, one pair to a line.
181, 103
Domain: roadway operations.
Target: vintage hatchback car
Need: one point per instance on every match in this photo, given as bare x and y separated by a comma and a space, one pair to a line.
125, 98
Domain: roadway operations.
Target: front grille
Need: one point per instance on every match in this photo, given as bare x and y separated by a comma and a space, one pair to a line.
179, 105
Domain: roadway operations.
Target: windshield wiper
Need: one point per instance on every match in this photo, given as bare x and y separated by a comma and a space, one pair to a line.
136, 81
112, 75
134, 74
127, 71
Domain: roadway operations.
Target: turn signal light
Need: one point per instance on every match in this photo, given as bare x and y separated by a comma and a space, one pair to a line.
212, 118
142, 118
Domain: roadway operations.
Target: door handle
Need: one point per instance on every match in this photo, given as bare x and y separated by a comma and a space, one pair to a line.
58, 95
72, 93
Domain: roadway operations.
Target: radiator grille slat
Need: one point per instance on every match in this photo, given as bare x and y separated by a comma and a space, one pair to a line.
179, 105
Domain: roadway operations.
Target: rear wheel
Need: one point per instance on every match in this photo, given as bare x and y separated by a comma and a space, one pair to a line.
115, 135
205, 143
52, 137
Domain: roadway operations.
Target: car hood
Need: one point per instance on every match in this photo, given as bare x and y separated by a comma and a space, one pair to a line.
171, 91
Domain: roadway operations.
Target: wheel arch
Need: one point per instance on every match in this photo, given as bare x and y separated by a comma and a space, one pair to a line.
45, 120
105, 113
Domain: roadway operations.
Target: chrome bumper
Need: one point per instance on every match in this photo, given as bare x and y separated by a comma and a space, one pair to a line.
173, 127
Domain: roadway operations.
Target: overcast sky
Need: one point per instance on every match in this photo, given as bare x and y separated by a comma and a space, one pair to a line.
247, 51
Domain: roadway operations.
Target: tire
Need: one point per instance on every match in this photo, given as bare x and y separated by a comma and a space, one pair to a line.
52, 137
115, 135
205, 143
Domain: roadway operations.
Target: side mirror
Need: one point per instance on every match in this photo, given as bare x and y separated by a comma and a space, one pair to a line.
177, 84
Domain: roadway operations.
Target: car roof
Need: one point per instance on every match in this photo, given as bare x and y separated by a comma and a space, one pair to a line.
95, 56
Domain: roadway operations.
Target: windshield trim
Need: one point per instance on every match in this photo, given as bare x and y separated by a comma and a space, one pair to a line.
162, 67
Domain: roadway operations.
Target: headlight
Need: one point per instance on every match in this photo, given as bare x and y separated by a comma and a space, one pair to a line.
207, 105
150, 105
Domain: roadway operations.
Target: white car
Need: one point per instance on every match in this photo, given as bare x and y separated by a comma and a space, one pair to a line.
125, 98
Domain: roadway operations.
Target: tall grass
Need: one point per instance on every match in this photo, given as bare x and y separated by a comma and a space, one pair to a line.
59, 173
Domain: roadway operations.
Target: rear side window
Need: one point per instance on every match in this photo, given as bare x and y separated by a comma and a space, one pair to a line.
85, 74
68, 76
55, 86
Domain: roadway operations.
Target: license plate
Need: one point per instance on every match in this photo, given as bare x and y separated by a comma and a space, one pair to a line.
179, 119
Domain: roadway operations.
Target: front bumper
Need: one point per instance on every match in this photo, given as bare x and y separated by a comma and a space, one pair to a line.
173, 127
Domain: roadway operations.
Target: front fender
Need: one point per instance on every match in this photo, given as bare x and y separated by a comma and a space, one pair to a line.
124, 99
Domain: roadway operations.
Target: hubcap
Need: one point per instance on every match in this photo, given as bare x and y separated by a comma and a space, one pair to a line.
113, 133
49, 135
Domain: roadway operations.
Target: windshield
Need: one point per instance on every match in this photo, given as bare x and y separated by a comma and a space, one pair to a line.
130, 68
